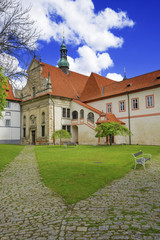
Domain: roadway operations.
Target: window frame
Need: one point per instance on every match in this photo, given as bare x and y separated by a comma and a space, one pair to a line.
8, 105
68, 112
81, 114
7, 113
6, 120
146, 97
137, 98
24, 132
43, 130
107, 105
64, 112
122, 101
91, 119
73, 115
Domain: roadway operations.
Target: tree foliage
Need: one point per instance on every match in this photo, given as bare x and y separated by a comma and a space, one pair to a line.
3, 87
59, 134
111, 129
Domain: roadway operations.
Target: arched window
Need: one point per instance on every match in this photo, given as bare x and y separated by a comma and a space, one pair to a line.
74, 115
24, 120
43, 117
81, 113
91, 117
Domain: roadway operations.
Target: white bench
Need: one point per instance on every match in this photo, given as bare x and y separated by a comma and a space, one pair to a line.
141, 158
70, 144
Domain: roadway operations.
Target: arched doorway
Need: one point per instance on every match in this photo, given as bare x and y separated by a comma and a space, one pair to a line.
75, 134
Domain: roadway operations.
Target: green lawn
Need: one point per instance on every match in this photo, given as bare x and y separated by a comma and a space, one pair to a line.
75, 173
8, 153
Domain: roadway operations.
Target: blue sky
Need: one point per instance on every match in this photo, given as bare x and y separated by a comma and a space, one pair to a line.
102, 36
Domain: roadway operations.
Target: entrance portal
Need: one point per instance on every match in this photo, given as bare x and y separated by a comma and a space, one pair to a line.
33, 137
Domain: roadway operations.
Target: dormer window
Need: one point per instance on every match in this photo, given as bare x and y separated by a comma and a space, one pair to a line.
129, 85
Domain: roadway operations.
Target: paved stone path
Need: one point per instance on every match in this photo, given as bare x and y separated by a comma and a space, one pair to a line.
128, 208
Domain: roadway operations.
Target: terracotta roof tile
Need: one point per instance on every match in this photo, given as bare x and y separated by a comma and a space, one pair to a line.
70, 85
109, 117
133, 84
87, 106
94, 86
10, 95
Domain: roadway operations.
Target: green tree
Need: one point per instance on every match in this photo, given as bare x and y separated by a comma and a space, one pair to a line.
59, 134
3, 87
111, 129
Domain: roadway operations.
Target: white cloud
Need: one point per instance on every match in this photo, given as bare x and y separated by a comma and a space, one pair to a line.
82, 26
89, 61
115, 76
11, 69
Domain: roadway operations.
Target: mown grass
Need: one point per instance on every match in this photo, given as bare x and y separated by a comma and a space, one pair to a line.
77, 172
8, 153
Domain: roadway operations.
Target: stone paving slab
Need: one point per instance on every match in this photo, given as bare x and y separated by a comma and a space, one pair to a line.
128, 208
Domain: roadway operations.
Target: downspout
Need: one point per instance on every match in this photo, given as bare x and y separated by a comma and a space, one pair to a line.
129, 121
53, 115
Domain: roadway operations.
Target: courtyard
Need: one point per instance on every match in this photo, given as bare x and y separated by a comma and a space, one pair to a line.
125, 208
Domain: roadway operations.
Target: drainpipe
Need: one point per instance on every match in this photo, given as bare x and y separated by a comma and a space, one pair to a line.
20, 123
53, 115
129, 121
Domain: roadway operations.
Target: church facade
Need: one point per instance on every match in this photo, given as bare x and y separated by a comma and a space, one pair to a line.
57, 98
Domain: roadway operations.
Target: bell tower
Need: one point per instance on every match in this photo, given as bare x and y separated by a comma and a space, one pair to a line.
63, 64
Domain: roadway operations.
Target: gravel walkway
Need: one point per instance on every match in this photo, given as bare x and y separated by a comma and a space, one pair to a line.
128, 208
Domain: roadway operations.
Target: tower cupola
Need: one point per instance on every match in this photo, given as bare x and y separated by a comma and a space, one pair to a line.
63, 63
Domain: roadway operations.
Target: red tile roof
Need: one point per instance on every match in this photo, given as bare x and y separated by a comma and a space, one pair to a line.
109, 117
149, 80
87, 106
10, 95
63, 85
94, 86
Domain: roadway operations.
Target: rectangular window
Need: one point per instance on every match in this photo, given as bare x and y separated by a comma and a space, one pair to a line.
69, 129
7, 113
109, 107
64, 127
122, 106
135, 104
63, 112
68, 113
33, 91
8, 123
24, 132
8, 105
149, 101
43, 131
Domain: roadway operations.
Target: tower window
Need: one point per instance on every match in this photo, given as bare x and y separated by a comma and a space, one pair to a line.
43, 131
24, 132
33, 91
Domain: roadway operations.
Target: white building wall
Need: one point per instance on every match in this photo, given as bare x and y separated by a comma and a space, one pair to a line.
144, 121
10, 134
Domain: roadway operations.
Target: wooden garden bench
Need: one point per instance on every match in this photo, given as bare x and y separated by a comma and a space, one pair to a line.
141, 158
70, 144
